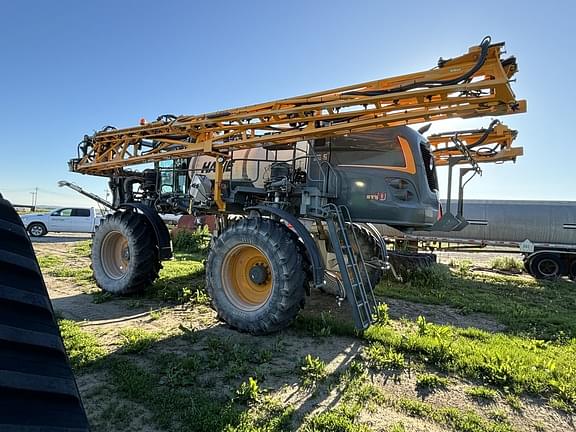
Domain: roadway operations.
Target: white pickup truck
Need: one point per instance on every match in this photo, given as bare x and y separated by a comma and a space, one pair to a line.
67, 219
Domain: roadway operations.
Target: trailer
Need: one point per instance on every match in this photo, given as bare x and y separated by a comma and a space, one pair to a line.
543, 231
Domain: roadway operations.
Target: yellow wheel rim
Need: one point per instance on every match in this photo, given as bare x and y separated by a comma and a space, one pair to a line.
247, 277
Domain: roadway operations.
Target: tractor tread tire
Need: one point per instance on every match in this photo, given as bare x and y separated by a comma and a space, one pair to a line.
38, 391
369, 246
288, 287
144, 263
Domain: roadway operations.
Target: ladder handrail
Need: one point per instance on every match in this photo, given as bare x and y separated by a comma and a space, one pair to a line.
361, 299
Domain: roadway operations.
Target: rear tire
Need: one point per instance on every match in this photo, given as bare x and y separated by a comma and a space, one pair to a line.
125, 253
36, 229
370, 251
255, 276
406, 263
546, 266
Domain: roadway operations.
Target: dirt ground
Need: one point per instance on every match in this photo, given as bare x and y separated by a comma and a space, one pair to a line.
107, 319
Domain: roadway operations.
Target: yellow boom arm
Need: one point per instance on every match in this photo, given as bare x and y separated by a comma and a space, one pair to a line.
484, 145
472, 85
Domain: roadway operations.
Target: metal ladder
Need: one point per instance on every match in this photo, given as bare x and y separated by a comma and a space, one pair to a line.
353, 269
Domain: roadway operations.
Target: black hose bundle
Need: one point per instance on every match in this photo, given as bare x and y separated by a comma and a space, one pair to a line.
484, 45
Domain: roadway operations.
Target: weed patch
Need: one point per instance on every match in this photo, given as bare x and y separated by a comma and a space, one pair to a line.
463, 421
323, 325
512, 363
381, 357
188, 241
341, 419
539, 309
506, 263
482, 393
189, 410
312, 371
268, 416
180, 281
431, 382
136, 340
82, 249
83, 348
249, 391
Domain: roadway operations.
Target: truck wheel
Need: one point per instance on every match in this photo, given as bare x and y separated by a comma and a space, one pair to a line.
124, 253
255, 276
572, 273
36, 229
369, 250
546, 266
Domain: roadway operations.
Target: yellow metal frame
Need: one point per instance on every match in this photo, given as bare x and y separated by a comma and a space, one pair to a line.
499, 141
353, 108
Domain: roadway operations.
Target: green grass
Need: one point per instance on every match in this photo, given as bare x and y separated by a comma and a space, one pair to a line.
83, 348
58, 266
340, 419
357, 390
459, 420
397, 427
539, 309
482, 393
180, 280
83, 249
182, 393
136, 340
515, 364
187, 409
268, 416
324, 324
48, 262
431, 382
507, 263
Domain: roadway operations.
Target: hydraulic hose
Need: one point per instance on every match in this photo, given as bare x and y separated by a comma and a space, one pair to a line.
484, 45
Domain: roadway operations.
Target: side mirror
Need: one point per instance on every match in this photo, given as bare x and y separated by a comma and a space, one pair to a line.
424, 129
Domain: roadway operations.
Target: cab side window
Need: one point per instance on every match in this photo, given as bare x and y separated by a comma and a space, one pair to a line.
65, 212
81, 212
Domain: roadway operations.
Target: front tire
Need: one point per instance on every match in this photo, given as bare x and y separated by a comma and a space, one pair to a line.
255, 276
124, 253
36, 229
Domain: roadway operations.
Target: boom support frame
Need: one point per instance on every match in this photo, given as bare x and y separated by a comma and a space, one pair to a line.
472, 85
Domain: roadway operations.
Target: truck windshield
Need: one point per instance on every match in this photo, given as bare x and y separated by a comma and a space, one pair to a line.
367, 149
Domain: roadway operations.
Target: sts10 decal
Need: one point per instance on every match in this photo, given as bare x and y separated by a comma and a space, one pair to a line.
377, 196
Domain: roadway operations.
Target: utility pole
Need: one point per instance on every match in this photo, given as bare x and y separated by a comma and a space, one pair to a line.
34, 198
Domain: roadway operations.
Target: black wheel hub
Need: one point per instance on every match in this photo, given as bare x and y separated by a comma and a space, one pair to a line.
259, 274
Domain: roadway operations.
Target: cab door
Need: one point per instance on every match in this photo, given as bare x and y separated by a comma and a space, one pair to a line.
81, 220
61, 220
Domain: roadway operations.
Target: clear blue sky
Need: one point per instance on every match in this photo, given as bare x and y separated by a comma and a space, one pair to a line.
70, 67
